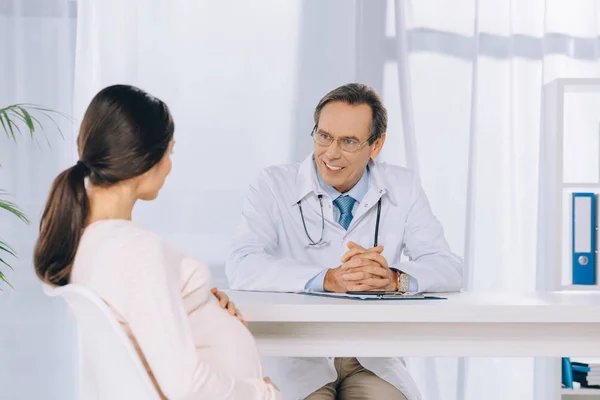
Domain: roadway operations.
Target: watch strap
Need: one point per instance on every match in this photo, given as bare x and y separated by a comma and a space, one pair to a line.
402, 281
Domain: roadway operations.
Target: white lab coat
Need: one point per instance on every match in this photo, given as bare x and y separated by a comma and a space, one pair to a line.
270, 252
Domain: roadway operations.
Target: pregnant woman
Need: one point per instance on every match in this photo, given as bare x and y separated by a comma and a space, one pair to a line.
190, 345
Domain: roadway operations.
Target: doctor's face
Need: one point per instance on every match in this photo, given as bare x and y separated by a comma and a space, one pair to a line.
349, 126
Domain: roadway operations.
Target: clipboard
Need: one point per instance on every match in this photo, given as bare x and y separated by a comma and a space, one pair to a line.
375, 296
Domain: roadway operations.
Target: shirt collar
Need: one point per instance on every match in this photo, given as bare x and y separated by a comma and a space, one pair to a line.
358, 192
307, 181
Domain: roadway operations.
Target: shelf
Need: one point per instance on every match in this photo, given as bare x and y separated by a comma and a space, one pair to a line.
580, 392
581, 185
565, 102
579, 288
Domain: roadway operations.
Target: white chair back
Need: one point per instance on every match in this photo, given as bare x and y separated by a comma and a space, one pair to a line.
109, 364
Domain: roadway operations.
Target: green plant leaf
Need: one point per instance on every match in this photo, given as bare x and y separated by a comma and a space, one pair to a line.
14, 119
4, 247
7, 249
10, 131
17, 119
13, 209
7, 264
3, 278
24, 113
25, 116
38, 122
4, 127
44, 109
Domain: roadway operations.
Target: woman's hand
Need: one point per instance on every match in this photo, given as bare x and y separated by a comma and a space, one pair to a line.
228, 305
269, 382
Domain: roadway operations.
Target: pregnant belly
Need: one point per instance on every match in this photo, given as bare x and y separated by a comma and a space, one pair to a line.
224, 341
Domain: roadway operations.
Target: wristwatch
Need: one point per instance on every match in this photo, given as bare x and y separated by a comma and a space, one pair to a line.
402, 281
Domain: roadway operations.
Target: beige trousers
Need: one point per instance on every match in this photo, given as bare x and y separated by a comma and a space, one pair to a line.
354, 382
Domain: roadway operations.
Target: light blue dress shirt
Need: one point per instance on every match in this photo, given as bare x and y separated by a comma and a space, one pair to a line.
358, 192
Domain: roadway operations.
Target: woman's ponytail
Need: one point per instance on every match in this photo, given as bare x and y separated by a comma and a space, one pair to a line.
61, 226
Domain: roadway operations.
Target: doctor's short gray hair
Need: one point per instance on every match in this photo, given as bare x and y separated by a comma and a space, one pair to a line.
355, 94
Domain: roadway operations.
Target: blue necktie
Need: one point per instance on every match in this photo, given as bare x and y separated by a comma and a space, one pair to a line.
345, 204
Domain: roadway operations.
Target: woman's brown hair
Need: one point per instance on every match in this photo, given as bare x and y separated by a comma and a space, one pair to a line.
124, 133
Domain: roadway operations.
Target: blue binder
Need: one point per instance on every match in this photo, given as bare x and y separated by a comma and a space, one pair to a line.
583, 224
567, 373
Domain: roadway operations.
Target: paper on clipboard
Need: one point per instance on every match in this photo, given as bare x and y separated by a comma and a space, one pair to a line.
399, 296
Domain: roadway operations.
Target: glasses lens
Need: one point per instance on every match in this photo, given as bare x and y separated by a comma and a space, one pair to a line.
322, 139
349, 145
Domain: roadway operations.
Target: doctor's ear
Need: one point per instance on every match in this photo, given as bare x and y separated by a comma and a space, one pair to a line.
377, 146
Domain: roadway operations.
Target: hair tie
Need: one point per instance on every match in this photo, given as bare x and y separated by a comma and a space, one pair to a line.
80, 164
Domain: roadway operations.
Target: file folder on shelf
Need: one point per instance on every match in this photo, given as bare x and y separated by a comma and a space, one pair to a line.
584, 238
567, 373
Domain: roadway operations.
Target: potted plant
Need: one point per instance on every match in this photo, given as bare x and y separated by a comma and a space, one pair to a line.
12, 119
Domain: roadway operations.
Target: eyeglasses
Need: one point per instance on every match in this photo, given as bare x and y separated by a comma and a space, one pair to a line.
346, 144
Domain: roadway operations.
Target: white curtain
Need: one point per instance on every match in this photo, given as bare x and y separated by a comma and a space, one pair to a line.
37, 351
470, 77
461, 79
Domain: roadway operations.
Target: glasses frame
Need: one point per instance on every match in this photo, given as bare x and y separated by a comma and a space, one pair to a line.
314, 131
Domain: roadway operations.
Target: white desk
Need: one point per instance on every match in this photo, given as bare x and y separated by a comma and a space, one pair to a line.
554, 324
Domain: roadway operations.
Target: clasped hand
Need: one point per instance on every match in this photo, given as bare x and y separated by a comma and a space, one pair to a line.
361, 270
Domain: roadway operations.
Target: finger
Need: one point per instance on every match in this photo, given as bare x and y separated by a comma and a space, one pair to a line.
351, 253
231, 308
376, 257
360, 250
356, 276
377, 283
358, 262
366, 259
353, 248
352, 245
364, 272
355, 262
369, 271
223, 300
241, 318
368, 285
358, 287
356, 247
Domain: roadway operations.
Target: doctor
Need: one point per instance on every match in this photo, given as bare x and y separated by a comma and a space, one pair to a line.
340, 221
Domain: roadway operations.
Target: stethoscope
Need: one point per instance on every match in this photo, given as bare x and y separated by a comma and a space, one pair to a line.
321, 241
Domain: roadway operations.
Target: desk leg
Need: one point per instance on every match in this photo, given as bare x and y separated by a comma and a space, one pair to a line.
461, 376
547, 378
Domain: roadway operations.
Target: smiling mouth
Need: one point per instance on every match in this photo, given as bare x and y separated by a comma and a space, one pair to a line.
332, 168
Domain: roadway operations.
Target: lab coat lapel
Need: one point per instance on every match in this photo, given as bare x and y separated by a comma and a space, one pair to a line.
377, 189
308, 190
